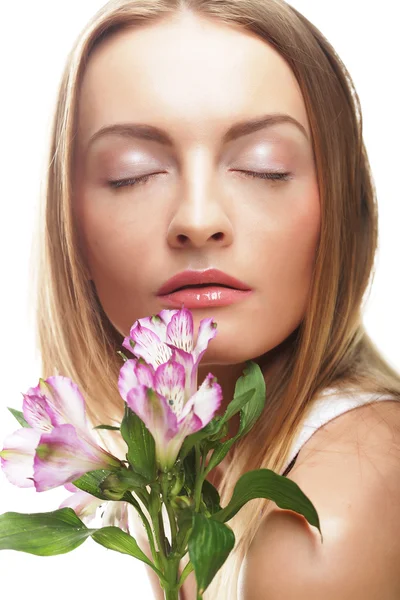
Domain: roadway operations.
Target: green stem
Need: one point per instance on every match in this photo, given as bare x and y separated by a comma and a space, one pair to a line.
171, 594
148, 529
173, 526
199, 478
171, 516
186, 571
154, 509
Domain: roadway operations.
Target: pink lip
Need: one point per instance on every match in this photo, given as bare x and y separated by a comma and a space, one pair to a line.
213, 277
202, 297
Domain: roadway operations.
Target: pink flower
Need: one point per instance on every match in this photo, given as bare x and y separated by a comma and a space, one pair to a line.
164, 392
58, 447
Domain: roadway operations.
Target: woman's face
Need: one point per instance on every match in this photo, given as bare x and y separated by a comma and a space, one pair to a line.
194, 80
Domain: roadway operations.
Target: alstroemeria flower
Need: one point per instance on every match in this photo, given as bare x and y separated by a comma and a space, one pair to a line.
58, 447
163, 393
169, 335
85, 506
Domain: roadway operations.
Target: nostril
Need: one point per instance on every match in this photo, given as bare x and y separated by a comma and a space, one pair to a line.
218, 236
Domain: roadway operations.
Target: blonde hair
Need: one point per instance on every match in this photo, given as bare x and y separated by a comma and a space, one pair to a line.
331, 346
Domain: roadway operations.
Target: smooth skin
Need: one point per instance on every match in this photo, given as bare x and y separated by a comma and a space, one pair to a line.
195, 79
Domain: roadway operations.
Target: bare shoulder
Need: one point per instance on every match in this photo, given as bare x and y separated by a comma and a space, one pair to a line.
350, 470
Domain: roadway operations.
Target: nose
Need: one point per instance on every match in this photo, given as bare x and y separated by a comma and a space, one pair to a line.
200, 217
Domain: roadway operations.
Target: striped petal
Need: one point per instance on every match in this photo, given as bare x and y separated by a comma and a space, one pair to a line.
205, 402
188, 425
170, 383
37, 411
132, 374
61, 456
155, 412
180, 330
17, 456
186, 360
147, 345
207, 331
65, 400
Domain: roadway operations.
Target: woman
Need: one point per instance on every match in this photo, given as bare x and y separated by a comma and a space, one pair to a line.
222, 134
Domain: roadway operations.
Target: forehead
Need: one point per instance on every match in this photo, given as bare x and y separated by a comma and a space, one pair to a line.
190, 76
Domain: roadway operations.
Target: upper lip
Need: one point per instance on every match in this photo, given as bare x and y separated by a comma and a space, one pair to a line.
211, 276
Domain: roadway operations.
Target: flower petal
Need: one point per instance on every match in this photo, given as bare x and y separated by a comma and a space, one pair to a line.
61, 456
116, 515
154, 411
71, 487
180, 330
207, 331
156, 414
132, 374
205, 401
156, 324
170, 383
37, 411
17, 456
65, 400
84, 505
188, 425
147, 345
186, 360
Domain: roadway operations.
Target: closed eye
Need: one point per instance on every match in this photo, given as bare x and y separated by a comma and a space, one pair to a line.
135, 181
130, 181
271, 175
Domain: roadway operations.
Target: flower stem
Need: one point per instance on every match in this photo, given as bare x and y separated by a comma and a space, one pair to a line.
186, 571
148, 530
171, 594
199, 478
170, 512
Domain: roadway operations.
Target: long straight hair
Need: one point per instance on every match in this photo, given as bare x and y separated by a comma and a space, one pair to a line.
329, 348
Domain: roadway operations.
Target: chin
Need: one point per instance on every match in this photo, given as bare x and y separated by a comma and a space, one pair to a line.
225, 353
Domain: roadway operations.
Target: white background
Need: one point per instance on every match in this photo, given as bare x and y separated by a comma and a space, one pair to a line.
36, 37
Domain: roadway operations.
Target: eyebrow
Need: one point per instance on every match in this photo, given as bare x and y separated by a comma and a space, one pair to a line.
150, 132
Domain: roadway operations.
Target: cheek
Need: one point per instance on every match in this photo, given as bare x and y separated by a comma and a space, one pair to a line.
117, 237
287, 253
123, 248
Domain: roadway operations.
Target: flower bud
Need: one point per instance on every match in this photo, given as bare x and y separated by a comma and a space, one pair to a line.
176, 484
180, 502
112, 488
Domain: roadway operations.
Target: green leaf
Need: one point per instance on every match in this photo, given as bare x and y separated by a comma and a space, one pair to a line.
19, 416
141, 445
114, 538
109, 427
212, 428
209, 545
210, 497
238, 402
43, 534
189, 467
219, 454
252, 378
264, 483
249, 398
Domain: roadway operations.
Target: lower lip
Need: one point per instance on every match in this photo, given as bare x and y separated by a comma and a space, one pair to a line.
203, 297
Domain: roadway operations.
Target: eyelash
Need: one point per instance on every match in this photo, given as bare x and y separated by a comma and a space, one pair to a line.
275, 176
